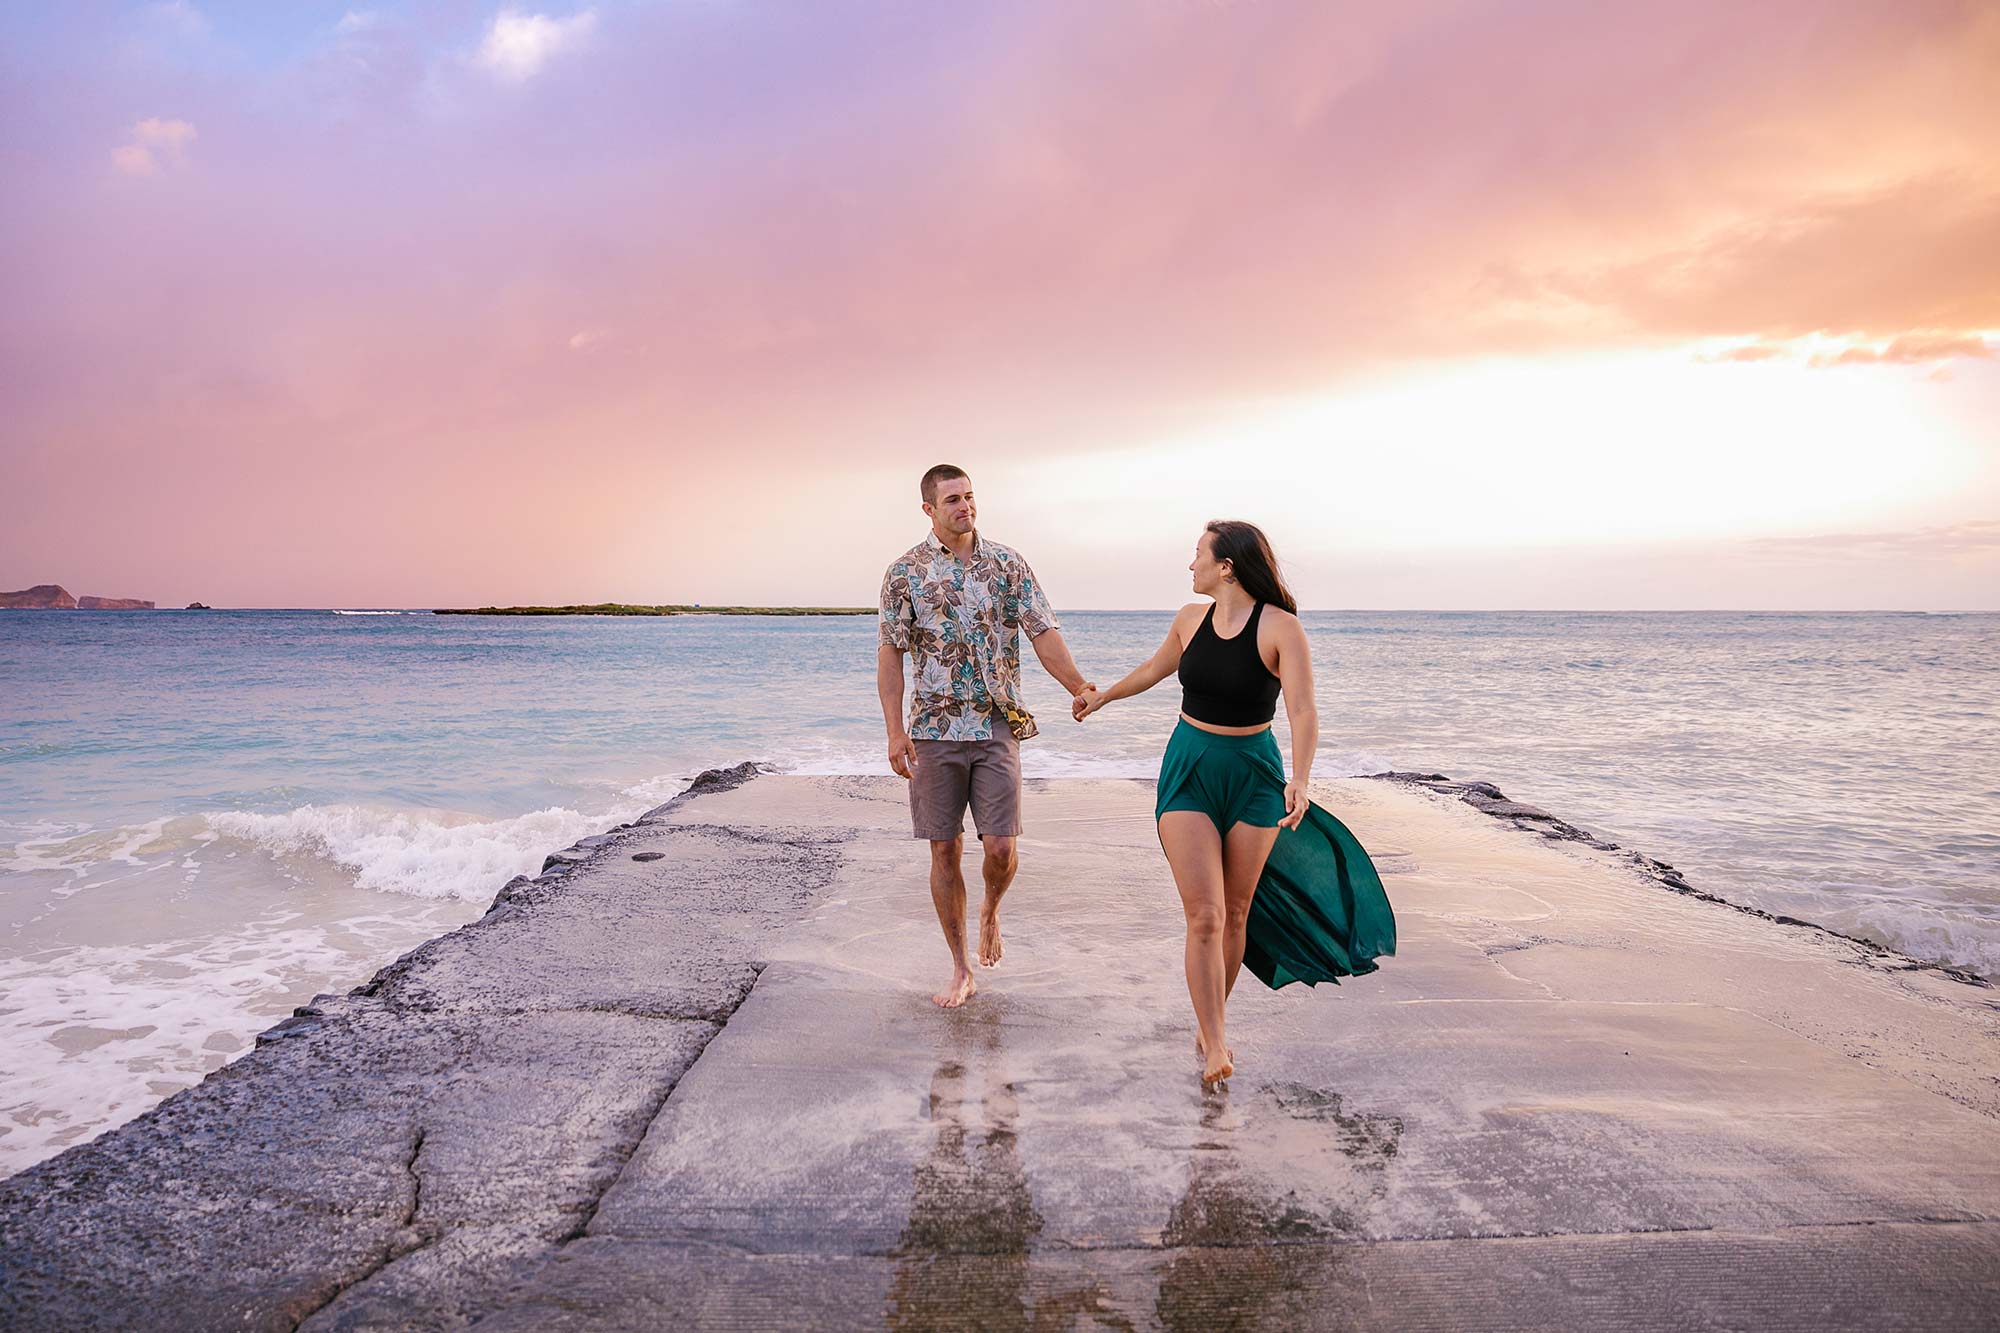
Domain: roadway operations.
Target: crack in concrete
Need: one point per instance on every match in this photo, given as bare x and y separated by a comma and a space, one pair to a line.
402, 1243
815, 838
1062, 1247
626, 1152
416, 1181
409, 1240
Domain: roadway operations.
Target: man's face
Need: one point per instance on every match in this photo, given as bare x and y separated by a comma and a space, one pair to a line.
953, 511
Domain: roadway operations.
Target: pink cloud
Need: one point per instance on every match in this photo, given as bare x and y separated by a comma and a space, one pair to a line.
518, 45
153, 141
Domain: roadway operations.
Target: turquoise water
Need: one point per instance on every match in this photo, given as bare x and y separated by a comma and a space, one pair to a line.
206, 817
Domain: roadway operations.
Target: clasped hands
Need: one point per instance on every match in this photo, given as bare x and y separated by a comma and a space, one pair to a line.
1086, 701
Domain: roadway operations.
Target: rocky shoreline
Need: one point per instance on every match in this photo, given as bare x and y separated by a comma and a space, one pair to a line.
380, 1156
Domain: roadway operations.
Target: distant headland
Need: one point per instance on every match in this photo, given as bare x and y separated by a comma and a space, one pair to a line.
55, 597
623, 609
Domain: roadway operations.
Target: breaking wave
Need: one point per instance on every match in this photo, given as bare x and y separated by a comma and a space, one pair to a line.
421, 854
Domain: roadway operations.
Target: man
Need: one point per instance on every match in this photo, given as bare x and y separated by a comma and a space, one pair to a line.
956, 603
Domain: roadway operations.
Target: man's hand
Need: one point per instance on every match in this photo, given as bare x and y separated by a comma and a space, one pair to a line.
903, 754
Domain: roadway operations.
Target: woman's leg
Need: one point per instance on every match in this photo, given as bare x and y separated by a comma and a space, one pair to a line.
1244, 851
1194, 850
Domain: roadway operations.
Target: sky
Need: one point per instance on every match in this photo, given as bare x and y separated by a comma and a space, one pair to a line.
1470, 305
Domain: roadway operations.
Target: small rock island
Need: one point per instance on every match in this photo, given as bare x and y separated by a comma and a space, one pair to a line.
55, 597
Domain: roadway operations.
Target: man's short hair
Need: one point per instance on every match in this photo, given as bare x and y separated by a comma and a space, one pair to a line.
941, 473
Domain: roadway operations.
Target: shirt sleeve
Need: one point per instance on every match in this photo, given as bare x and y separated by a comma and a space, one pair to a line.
898, 615
1032, 611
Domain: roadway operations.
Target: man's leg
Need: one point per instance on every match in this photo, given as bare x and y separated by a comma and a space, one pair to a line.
997, 869
937, 814
948, 897
995, 795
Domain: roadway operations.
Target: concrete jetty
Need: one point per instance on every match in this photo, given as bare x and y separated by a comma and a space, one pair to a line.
708, 1089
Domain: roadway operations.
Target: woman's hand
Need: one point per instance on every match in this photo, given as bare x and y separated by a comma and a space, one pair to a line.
1086, 703
1295, 805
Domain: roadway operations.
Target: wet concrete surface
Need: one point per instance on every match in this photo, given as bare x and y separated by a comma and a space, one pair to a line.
712, 1091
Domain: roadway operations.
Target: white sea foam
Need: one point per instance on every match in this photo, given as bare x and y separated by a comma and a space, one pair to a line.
92, 1036
658, 789
426, 855
1963, 938
374, 613
79, 851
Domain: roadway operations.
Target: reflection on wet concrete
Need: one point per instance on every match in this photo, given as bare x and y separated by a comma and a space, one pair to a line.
1247, 1251
1274, 1182
970, 1197
967, 1257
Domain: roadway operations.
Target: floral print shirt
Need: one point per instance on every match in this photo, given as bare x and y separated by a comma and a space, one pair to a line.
960, 622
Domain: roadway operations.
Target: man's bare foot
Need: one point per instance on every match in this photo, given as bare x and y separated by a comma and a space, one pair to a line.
962, 986
989, 935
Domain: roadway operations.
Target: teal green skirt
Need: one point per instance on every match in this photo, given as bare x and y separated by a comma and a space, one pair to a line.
1319, 913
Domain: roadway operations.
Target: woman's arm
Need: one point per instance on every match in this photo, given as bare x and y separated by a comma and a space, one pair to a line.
1295, 679
1163, 663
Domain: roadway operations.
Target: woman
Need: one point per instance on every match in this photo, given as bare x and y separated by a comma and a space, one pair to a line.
1265, 876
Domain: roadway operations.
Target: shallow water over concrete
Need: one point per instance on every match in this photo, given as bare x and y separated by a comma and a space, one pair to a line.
1046, 1157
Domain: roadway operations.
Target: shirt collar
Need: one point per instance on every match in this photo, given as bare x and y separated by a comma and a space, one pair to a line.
939, 548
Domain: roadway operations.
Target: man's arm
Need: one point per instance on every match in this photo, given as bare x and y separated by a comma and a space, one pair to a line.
889, 685
1054, 653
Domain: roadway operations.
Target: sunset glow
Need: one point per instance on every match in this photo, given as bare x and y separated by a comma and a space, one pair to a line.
1472, 306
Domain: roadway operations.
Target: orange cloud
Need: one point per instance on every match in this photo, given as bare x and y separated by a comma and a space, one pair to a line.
1910, 349
1915, 263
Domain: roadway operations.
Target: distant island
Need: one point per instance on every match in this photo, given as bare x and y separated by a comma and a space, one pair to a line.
55, 597
623, 609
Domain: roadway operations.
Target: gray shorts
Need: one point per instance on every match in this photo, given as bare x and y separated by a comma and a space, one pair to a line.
951, 774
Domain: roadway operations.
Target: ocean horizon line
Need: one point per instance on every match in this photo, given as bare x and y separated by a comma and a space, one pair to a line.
1157, 610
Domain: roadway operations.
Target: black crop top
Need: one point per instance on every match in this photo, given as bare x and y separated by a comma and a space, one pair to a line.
1224, 682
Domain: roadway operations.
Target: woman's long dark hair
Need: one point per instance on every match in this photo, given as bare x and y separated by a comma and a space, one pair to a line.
1248, 551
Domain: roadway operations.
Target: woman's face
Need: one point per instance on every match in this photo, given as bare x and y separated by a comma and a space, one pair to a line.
1207, 570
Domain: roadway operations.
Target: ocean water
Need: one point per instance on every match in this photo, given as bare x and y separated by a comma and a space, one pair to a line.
208, 817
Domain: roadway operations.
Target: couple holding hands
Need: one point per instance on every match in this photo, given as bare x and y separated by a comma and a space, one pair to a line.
1267, 879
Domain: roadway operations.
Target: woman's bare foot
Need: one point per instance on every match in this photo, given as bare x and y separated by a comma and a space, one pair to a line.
1201, 1048
989, 935
1214, 1071
962, 986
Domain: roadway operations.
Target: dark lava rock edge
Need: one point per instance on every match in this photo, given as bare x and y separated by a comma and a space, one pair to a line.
1488, 799
409, 1153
